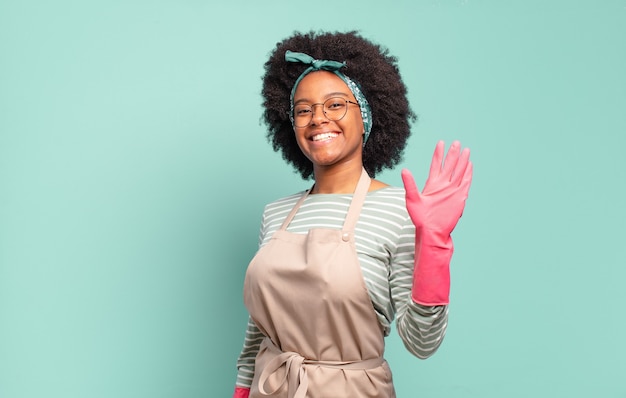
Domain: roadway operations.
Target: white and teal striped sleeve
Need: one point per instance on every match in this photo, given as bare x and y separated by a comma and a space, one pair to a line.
252, 340
421, 328
245, 363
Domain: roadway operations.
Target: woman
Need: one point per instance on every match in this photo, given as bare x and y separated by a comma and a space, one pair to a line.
340, 261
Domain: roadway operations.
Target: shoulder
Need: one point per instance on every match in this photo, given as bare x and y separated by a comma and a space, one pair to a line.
384, 218
388, 200
388, 196
387, 205
282, 204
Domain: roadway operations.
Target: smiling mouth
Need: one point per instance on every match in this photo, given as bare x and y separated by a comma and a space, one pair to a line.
324, 136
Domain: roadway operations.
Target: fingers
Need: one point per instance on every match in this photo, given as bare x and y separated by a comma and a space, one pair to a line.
449, 172
435, 164
461, 167
451, 160
409, 184
467, 179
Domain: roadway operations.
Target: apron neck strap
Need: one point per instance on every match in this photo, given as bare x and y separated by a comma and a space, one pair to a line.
357, 202
355, 206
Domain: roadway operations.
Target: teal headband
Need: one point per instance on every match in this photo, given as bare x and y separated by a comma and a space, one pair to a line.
332, 66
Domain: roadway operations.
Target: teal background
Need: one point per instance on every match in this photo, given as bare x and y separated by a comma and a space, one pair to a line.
134, 170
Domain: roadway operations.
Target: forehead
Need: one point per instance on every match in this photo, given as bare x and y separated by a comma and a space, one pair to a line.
320, 84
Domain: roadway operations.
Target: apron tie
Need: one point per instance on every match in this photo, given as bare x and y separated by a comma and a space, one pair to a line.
295, 374
295, 370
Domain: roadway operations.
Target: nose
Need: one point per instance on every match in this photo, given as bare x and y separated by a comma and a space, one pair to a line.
317, 114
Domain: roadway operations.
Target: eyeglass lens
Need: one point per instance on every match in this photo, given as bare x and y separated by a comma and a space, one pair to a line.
334, 109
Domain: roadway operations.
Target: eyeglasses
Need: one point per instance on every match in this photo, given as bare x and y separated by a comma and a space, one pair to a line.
334, 108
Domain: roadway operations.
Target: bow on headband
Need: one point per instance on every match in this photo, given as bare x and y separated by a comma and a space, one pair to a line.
332, 66
316, 64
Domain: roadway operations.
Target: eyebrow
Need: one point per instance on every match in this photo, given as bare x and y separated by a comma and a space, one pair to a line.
329, 95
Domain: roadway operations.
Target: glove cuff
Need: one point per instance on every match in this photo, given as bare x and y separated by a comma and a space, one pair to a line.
241, 392
431, 275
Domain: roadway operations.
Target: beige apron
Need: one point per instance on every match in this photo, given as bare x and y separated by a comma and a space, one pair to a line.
307, 295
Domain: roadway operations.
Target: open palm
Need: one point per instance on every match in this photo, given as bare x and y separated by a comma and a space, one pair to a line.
440, 205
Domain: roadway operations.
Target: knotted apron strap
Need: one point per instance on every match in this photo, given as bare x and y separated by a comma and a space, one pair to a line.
295, 370
295, 374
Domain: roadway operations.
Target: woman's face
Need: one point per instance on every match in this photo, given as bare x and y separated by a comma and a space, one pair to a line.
324, 142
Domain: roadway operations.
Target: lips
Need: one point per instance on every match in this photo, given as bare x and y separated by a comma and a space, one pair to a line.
324, 136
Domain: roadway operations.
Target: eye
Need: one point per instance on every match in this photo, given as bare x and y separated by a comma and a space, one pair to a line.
302, 110
335, 104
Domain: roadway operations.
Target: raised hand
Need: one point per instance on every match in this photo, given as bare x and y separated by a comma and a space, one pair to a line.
435, 212
440, 205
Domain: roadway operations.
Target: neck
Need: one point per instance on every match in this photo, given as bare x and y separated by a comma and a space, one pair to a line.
337, 180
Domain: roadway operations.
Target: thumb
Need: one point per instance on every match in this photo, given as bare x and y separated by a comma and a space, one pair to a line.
412, 193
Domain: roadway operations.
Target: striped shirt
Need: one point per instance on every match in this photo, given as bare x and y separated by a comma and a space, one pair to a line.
385, 245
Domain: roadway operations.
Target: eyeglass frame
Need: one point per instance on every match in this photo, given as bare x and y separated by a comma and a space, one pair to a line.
312, 107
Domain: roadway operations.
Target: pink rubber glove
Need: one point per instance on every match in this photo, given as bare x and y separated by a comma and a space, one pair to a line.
435, 212
241, 392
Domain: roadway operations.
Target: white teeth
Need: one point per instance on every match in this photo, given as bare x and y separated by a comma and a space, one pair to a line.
324, 136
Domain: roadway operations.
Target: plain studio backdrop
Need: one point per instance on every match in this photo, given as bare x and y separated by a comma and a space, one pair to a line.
134, 170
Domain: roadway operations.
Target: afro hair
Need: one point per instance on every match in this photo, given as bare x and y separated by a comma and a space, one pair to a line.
368, 64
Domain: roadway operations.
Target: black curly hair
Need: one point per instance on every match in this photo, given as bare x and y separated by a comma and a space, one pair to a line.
368, 64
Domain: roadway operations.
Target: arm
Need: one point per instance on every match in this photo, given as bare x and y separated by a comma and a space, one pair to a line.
245, 363
435, 212
421, 328
252, 341
422, 288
